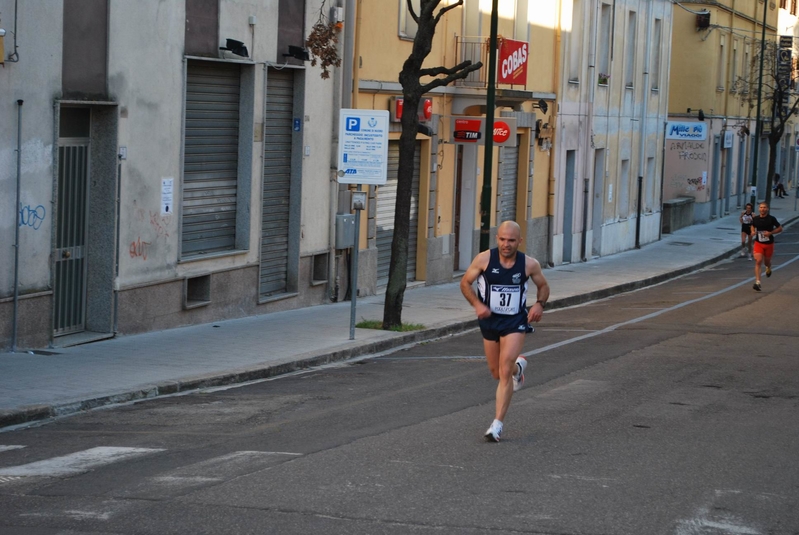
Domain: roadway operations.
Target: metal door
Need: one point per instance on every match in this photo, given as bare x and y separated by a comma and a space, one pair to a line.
278, 127
210, 172
509, 182
568, 205
386, 207
69, 288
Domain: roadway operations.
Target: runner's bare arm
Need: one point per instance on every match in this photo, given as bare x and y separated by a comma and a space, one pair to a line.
478, 265
535, 272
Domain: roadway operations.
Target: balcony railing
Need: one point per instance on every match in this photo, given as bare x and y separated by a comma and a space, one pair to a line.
474, 49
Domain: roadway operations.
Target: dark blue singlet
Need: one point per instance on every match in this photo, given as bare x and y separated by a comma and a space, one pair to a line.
504, 291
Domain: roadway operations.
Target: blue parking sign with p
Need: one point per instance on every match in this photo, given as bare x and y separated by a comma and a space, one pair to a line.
353, 124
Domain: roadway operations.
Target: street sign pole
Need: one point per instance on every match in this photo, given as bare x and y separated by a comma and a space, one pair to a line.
354, 274
362, 159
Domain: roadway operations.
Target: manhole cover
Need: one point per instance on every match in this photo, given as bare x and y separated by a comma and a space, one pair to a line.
680, 243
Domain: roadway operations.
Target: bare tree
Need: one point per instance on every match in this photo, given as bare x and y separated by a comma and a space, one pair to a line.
412, 91
779, 100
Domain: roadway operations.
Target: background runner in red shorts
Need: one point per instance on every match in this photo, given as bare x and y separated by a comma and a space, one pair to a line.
764, 227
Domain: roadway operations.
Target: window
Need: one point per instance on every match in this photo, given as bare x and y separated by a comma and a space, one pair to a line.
747, 69
407, 26
734, 66
603, 58
629, 53
721, 68
521, 30
624, 190
656, 46
575, 41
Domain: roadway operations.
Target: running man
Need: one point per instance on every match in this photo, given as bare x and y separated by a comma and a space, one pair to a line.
746, 230
501, 307
764, 227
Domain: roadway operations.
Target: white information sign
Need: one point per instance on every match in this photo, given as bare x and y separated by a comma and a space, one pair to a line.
363, 147
166, 195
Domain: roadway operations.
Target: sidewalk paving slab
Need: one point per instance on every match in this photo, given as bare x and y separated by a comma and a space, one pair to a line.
56, 382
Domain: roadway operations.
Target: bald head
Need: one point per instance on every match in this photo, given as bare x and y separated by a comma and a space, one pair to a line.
510, 226
508, 236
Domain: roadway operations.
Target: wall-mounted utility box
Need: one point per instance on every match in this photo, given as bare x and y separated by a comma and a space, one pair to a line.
345, 231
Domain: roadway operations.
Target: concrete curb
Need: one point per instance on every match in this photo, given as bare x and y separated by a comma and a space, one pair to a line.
34, 413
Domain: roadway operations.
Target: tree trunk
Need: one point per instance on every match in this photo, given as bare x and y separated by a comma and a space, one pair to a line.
398, 268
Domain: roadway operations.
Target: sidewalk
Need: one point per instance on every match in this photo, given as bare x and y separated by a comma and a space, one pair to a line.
67, 380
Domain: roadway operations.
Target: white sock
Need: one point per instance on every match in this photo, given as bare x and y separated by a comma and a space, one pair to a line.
496, 424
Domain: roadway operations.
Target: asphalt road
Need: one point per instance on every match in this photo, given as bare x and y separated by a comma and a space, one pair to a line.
670, 410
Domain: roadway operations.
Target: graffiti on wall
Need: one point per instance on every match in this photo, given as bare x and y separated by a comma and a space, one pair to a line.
139, 249
32, 217
688, 184
689, 150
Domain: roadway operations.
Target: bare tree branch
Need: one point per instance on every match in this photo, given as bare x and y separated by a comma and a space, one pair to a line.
435, 71
448, 8
460, 75
413, 13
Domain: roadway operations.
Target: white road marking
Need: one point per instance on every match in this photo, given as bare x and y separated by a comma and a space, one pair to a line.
9, 448
450, 357
76, 463
429, 464
723, 523
633, 321
582, 478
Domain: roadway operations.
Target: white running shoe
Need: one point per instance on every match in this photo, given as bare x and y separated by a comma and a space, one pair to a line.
518, 377
494, 432
743, 253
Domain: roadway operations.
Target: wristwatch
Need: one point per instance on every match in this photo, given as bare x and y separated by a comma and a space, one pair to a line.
542, 303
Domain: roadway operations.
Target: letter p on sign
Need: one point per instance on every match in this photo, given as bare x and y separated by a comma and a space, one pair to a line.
353, 124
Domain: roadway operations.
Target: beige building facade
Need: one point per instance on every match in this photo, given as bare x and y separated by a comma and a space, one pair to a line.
710, 143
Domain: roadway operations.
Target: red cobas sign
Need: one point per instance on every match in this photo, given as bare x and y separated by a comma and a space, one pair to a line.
512, 62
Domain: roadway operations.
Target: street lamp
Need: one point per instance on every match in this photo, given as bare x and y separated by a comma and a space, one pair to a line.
753, 196
488, 163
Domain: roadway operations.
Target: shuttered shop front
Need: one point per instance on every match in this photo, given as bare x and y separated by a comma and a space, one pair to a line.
509, 183
211, 154
386, 202
277, 181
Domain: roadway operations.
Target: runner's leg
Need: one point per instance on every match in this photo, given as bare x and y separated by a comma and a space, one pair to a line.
510, 346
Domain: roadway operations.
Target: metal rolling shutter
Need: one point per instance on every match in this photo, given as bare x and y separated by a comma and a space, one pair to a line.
277, 180
386, 203
211, 156
509, 183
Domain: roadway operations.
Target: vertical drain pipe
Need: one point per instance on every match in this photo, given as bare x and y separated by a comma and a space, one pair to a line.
118, 244
16, 226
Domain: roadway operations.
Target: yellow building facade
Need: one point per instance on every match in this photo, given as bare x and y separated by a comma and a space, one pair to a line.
715, 71
448, 178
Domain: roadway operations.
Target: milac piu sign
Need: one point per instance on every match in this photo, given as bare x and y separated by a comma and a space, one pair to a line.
687, 161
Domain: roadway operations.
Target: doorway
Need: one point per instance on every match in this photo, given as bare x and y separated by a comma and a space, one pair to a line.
69, 287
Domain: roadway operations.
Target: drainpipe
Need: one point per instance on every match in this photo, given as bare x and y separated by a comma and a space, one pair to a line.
589, 113
16, 226
585, 219
644, 108
119, 247
339, 87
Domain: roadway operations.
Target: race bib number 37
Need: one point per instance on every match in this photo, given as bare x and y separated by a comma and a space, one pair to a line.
505, 300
